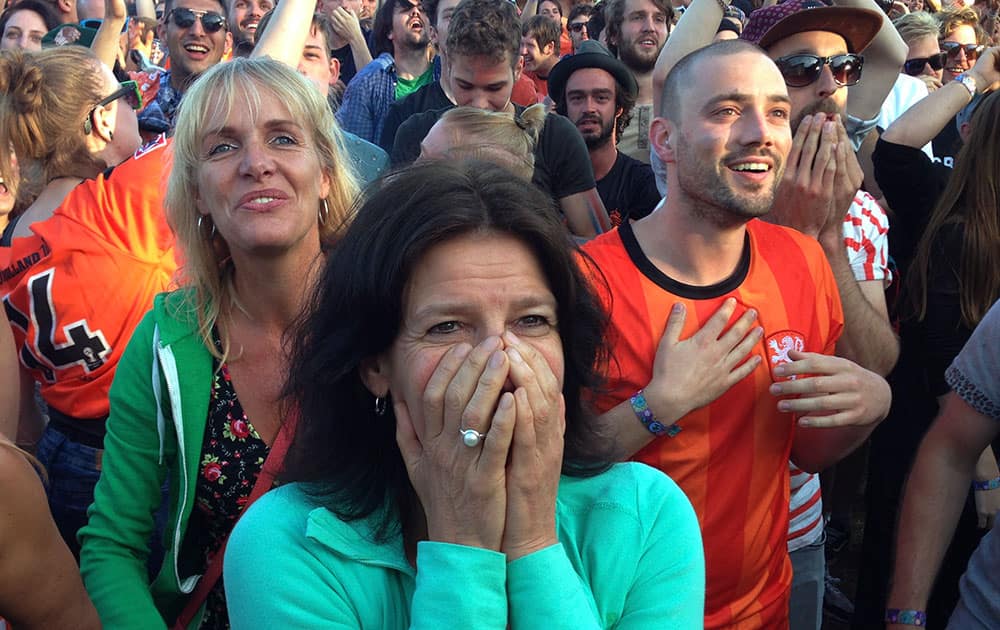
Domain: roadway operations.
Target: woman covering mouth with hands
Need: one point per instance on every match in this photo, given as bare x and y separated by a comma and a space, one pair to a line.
445, 470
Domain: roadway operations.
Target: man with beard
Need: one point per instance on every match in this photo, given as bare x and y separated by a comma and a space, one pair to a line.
196, 36
636, 32
401, 66
597, 92
244, 16
717, 317
817, 49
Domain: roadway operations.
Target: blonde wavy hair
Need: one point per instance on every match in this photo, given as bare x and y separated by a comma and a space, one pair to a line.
207, 269
502, 138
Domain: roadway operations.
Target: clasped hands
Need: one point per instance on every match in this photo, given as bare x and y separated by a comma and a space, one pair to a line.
500, 494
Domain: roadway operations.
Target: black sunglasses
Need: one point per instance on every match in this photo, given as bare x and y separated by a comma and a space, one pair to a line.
972, 51
915, 66
804, 69
577, 27
211, 21
128, 90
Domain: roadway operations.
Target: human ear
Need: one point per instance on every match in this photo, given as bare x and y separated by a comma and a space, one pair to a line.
661, 136
374, 374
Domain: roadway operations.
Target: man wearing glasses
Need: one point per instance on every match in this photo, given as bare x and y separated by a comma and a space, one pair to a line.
197, 37
579, 17
818, 50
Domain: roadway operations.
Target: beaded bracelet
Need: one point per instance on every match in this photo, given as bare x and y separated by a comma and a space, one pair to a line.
906, 617
990, 484
648, 420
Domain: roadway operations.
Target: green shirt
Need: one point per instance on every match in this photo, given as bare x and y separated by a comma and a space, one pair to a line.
629, 557
405, 87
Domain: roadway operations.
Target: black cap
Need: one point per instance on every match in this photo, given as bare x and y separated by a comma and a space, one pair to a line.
589, 54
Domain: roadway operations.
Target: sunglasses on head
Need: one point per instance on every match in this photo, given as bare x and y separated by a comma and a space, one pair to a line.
128, 90
804, 69
577, 27
915, 66
972, 51
211, 21
95, 24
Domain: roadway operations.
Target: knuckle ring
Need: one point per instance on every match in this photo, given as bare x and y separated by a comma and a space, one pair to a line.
471, 437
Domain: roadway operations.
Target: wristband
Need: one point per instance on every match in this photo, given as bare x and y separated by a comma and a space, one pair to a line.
906, 617
990, 484
648, 420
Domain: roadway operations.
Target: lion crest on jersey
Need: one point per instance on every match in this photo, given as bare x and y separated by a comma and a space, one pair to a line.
780, 344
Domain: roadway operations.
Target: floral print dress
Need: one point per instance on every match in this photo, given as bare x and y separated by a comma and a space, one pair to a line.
232, 456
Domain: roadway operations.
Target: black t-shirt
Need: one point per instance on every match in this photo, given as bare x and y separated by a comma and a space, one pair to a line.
562, 163
912, 185
947, 144
628, 190
346, 58
425, 99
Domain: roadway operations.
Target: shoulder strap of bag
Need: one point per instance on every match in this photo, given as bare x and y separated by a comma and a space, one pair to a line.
265, 481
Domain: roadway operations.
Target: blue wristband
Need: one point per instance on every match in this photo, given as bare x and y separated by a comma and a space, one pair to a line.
648, 420
906, 617
990, 484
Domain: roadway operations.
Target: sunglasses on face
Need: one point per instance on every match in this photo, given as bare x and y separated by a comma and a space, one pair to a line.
804, 69
211, 21
972, 51
914, 67
128, 90
578, 27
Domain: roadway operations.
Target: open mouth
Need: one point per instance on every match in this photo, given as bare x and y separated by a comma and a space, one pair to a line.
251, 26
197, 50
751, 167
3, 187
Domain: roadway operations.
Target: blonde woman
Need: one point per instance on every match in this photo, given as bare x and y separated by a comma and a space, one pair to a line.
258, 191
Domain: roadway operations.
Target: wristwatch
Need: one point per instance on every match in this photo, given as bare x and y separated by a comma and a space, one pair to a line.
968, 82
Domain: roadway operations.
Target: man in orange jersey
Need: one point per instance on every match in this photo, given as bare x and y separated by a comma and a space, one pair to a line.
701, 294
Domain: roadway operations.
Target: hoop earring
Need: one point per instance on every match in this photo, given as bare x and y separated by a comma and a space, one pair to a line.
324, 213
201, 228
381, 404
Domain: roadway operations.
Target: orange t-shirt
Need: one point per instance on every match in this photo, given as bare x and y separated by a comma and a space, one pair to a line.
730, 457
75, 289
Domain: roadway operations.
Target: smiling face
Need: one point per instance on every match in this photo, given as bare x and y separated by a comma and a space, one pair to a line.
643, 34
463, 291
729, 145
245, 15
959, 62
260, 180
193, 50
823, 95
24, 30
536, 58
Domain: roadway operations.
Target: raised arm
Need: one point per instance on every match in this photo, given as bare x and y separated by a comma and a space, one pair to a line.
105, 44
924, 120
287, 31
695, 29
884, 58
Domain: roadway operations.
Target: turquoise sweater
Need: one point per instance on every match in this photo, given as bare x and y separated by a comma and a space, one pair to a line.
630, 556
159, 407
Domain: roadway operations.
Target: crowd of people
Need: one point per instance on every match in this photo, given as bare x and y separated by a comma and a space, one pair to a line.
490, 314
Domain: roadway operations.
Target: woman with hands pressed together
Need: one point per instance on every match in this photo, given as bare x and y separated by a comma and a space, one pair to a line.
446, 471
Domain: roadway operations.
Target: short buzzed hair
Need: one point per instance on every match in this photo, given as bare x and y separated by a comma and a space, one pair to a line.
485, 28
543, 30
683, 72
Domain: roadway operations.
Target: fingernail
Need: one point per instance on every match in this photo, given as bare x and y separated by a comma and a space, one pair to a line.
776, 388
507, 400
496, 359
514, 355
753, 313
806, 119
491, 343
462, 350
760, 331
780, 370
511, 337
805, 422
828, 127
784, 405
678, 308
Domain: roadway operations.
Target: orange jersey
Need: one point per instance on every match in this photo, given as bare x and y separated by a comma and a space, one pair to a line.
730, 457
79, 284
